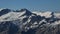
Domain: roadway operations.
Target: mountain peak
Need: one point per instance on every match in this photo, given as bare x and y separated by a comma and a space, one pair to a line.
4, 11
24, 9
27, 12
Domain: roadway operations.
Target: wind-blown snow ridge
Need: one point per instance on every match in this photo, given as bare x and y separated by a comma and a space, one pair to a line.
24, 21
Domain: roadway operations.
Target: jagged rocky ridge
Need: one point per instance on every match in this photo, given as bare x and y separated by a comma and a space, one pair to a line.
26, 22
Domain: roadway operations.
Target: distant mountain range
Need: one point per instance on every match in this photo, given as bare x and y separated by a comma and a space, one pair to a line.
27, 22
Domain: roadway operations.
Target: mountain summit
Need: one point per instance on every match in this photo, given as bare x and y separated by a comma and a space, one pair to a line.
4, 11
27, 12
26, 22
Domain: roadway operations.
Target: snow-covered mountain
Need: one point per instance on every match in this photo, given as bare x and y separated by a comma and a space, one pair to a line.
26, 22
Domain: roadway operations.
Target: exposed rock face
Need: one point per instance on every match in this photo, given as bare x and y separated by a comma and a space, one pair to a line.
25, 22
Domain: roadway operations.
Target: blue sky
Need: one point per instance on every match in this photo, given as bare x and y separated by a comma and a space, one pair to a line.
45, 5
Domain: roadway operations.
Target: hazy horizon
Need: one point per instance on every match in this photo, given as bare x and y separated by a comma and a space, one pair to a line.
43, 5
